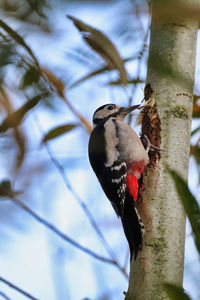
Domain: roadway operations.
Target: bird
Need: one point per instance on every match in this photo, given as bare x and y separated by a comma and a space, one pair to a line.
118, 159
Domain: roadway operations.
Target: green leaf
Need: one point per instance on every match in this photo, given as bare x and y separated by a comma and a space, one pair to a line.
195, 131
32, 75
175, 293
190, 205
14, 119
196, 153
103, 46
58, 131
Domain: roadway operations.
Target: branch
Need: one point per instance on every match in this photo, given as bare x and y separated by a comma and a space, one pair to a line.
86, 210
4, 296
15, 288
60, 89
81, 203
59, 233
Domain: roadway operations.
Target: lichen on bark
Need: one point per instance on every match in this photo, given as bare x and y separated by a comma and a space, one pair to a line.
167, 124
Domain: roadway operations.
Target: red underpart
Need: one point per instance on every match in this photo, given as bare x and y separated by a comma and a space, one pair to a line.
132, 185
135, 169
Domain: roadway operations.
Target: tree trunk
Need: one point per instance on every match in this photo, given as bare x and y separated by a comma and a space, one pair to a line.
171, 77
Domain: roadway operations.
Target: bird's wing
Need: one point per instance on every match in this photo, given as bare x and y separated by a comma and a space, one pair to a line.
113, 182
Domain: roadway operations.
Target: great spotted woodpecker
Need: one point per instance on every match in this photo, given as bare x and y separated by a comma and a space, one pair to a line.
118, 158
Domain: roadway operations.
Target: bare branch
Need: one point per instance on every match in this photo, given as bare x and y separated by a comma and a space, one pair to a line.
13, 286
82, 204
4, 296
61, 234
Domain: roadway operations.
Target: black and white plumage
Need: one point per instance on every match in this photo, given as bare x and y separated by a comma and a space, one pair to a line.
118, 158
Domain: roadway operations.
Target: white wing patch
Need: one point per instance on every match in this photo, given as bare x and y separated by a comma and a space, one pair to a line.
140, 222
117, 168
111, 142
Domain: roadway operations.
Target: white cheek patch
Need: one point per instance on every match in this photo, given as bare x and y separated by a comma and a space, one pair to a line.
111, 143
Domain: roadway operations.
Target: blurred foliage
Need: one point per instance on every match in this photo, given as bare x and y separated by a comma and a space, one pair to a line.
175, 293
16, 118
58, 131
190, 205
103, 46
32, 12
192, 210
196, 106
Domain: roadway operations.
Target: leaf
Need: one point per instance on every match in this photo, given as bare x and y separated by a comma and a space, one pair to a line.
31, 76
6, 53
190, 205
16, 118
96, 72
6, 189
89, 75
57, 83
18, 39
195, 131
103, 46
21, 145
196, 107
57, 131
131, 81
175, 293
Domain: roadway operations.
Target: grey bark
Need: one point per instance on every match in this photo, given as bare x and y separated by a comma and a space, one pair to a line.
171, 75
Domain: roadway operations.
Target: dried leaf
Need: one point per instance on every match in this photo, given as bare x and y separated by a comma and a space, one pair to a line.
195, 151
21, 144
196, 107
58, 131
16, 118
55, 81
103, 46
131, 81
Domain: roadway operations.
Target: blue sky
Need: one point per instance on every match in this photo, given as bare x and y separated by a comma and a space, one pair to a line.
31, 256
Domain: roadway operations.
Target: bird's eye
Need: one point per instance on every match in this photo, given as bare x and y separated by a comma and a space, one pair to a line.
111, 107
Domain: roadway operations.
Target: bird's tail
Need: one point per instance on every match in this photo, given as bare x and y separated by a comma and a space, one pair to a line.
133, 226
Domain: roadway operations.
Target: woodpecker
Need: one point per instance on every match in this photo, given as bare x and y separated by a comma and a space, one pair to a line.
118, 159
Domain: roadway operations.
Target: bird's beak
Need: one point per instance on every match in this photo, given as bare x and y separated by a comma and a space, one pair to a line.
126, 110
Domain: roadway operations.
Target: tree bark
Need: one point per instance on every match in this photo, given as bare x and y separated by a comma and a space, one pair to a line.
171, 76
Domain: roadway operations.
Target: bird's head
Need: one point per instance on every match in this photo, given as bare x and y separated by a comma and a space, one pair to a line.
111, 110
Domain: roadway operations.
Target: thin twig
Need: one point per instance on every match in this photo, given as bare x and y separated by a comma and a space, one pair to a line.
59, 233
13, 286
86, 210
60, 89
81, 203
4, 296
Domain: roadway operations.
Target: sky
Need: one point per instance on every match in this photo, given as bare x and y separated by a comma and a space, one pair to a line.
31, 256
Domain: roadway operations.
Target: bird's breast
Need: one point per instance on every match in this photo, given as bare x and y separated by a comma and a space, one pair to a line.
130, 145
